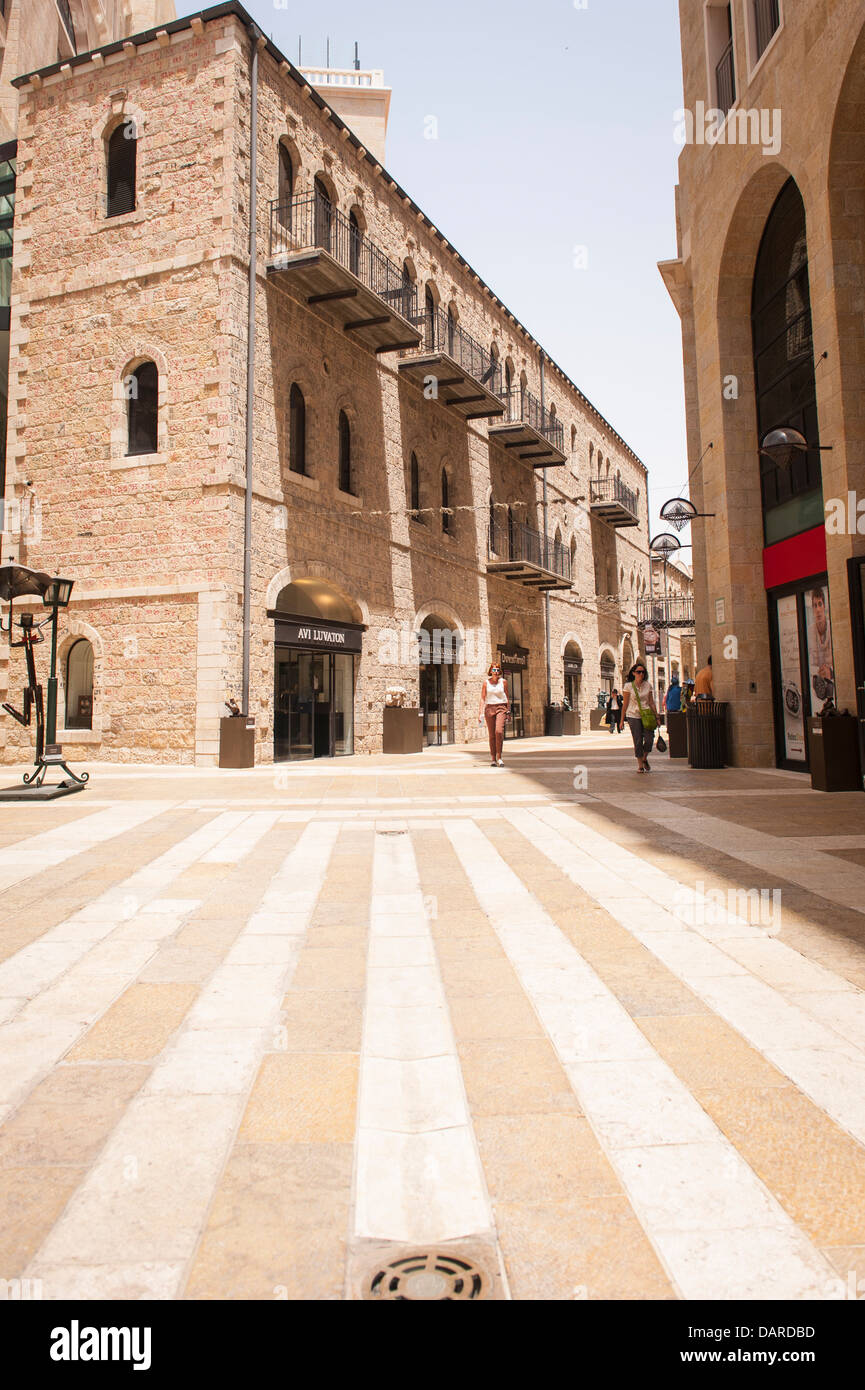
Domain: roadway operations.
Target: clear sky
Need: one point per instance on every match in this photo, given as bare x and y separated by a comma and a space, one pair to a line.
555, 132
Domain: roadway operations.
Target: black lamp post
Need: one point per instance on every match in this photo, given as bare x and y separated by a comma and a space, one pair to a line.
16, 581
56, 596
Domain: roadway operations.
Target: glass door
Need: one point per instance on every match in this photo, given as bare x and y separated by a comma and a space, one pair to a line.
435, 700
856, 581
342, 681
515, 728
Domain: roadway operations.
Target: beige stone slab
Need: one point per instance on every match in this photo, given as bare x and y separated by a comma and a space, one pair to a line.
705, 1052
483, 978
590, 1247
175, 964
504, 1017
277, 1226
31, 1199
323, 1020
515, 1078
68, 1117
117, 1282
303, 1098
138, 1026
330, 967
542, 1159
815, 1169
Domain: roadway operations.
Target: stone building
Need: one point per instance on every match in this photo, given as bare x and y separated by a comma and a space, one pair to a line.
382, 522
770, 285
673, 604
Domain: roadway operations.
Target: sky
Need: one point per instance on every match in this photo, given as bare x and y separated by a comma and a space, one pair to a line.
554, 129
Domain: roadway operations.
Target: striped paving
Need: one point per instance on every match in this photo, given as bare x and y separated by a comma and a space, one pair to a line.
306, 1034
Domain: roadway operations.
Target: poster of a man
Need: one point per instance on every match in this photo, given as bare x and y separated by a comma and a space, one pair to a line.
821, 663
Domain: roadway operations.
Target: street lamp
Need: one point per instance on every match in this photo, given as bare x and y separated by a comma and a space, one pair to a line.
680, 512
56, 596
17, 581
783, 445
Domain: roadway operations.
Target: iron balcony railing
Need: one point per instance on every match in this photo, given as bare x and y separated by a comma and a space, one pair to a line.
311, 220
725, 79
767, 18
441, 333
511, 540
608, 490
66, 16
520, 404
674, 611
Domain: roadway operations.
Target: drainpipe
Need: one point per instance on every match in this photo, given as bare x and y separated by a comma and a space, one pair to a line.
256, 40
546, 557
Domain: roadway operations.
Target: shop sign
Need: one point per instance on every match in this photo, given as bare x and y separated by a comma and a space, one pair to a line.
514, 658
311, 632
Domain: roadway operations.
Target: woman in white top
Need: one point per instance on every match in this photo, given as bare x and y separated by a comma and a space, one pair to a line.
638, 692
494, 708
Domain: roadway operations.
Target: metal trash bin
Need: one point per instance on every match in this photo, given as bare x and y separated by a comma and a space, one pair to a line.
554, 722
677, 733
833, 752
707, 733
237, 742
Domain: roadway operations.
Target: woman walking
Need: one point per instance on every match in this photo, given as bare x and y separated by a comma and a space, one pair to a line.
643, 717
495, 708
614, 711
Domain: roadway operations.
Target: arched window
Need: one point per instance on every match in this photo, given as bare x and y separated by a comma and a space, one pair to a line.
121, 152
492, 526
429, 319
414, 488
79, 685
558, 551
142, 391
344, 453
323, 215
285, 189
573, 556
452, 330
446, 516
511, 534
355, 238
296, 430
784, 368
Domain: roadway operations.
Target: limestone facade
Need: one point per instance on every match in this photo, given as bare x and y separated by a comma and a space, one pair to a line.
807, 89
155, 543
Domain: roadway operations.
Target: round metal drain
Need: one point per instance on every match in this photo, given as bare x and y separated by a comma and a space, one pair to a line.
427, 1277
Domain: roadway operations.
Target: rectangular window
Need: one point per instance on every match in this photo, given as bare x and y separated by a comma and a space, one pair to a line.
720, 55
766, 20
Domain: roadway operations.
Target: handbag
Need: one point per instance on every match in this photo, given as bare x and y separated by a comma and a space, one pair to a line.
647, 716
662, 744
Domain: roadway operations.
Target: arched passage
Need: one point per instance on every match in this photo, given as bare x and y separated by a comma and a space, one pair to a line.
439, 657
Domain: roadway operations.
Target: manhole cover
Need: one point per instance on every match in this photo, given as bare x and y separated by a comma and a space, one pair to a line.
427, 1277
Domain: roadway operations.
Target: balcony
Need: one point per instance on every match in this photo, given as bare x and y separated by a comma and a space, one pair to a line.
331, 265
530, 429
517, 552
671, 612
613, 502
468, 378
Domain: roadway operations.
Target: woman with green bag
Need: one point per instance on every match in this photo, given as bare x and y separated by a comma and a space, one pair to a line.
643, 719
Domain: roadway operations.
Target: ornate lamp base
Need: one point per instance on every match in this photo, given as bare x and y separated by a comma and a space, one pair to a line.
35, 787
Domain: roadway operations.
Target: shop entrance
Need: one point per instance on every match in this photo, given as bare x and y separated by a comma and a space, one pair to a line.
317, 648
314, 707
439, 648
515, 662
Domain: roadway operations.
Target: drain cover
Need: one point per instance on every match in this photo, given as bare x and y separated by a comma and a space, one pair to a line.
427, 1277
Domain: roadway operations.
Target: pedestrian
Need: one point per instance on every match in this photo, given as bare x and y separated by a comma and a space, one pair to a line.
495, 708
673, 697
704, 688
614, 712
644, 720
